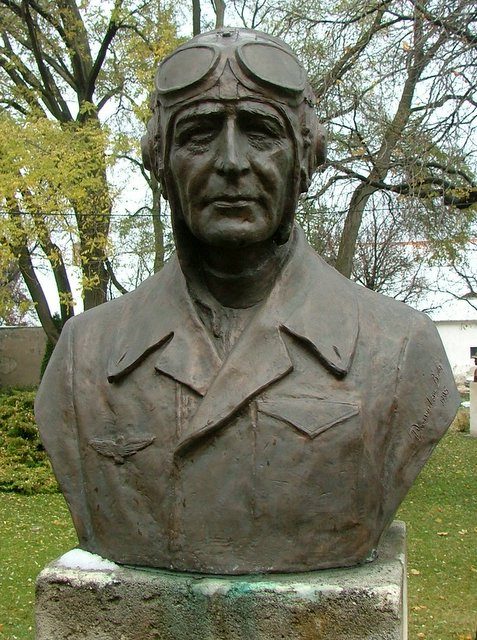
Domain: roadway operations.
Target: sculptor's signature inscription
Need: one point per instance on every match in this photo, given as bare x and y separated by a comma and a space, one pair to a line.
437, 395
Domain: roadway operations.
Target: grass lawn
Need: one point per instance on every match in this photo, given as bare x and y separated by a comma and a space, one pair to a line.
33, 531
441, 516
440, 512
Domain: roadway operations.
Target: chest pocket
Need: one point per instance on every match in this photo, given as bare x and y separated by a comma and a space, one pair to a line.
310, 415
310, 456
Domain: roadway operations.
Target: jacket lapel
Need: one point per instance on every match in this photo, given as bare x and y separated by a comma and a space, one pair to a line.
324, 314
258, 359
190, 357
159, 314
311, 302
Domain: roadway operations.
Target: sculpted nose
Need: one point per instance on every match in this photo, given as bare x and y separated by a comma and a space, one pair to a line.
232, 152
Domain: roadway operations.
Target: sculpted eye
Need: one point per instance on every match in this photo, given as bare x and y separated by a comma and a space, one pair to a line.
198, 131
263, 137
260, 130
257, 132
195, 135
263, 129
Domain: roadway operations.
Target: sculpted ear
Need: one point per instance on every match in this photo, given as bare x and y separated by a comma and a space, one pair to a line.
151, 151
147, 151
320, 146
315, 145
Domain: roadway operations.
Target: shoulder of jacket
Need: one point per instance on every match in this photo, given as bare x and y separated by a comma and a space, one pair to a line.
109, 312
377, 308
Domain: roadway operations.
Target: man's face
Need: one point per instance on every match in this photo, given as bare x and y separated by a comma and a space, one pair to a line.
232, 165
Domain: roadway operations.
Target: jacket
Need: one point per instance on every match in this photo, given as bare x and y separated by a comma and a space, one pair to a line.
292, 454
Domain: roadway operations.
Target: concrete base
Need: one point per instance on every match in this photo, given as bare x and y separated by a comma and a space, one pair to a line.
103, 601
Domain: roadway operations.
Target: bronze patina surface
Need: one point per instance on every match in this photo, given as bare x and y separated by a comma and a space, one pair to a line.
247, 409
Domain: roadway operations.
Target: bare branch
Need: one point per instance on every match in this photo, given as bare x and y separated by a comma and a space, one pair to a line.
113, 278
51, 93
448, 25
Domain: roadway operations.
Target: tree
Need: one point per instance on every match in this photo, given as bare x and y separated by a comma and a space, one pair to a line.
39, 178
62, 64
14, 304
458, 275
386, 261
251, 14
218, 7
395, 82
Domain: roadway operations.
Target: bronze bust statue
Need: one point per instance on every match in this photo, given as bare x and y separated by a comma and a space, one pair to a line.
247, 409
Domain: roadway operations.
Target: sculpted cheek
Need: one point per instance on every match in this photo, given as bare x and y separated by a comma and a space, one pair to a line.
196, 173
272, 166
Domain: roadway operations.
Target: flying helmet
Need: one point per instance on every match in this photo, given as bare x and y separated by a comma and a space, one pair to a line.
235, 64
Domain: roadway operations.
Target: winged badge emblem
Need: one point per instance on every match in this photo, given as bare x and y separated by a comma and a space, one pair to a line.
120, 448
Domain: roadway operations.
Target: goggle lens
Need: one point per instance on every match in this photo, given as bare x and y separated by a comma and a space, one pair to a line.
186, 67
271, 65
262, 62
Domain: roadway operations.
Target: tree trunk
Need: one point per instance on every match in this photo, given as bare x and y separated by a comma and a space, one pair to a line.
93, 233
157, 224
93, 215
55, 258
95, 293
382, 159
219, 13
36, 292
195, 17
347, 248
19, 248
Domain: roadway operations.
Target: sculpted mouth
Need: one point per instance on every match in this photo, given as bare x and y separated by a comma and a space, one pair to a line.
231, 202
226, 198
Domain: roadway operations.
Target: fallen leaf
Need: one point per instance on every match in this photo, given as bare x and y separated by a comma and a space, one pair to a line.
443, 533
415, 572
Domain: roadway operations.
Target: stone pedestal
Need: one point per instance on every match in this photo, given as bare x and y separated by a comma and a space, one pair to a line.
473, 409
83, 597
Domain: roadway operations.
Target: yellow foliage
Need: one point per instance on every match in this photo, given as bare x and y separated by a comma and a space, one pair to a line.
46, 167
55, 193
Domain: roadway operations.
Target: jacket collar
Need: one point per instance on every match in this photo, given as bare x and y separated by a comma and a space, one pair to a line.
160, 313
309, 301
320, 309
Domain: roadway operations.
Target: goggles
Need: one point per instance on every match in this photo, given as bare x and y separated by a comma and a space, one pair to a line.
258, 64
236, 64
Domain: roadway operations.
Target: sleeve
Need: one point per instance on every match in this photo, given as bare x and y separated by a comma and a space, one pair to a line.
426, 401
56, 419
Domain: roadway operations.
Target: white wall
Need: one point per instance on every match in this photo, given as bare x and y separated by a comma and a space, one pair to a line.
457, 337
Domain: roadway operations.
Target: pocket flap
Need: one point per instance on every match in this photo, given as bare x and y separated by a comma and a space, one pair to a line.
310, 415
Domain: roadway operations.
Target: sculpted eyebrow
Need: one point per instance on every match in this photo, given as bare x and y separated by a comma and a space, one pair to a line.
198, 117
269, 118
